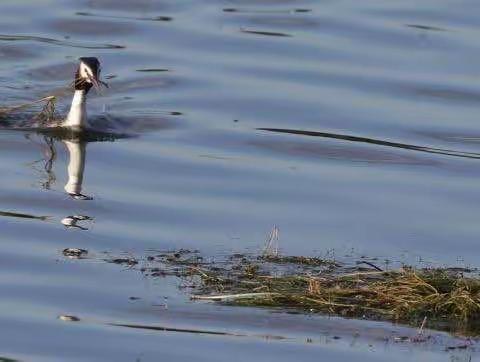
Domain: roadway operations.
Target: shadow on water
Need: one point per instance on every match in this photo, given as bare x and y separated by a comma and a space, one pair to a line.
5, 359
196, 331
178, 330
374, 141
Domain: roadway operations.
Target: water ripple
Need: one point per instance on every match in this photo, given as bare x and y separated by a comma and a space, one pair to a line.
5, 37
22, 216
267, 33
374, 141
142, 18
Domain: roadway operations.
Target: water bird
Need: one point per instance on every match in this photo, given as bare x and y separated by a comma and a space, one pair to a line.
87, 76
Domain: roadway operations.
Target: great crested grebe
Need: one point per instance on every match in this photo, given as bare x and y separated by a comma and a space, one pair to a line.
86, 76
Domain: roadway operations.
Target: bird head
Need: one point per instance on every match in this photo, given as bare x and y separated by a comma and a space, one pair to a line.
88, 74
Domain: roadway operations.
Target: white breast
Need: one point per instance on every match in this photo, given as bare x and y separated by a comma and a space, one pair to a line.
77, 117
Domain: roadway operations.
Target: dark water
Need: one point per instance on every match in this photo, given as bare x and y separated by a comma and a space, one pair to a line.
352, 126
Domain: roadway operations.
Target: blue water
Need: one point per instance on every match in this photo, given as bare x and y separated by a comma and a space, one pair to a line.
351, 126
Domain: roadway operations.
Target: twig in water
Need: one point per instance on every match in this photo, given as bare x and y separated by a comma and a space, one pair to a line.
271, 244
48, 99
370, 264
359, 274
232, 296
420, 331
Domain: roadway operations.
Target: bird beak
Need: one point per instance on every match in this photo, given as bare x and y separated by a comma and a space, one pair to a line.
94, 81
97, 82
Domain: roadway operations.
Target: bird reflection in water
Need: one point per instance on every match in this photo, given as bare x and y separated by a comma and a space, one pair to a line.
74, 221
77, 149
76, 167
76, 146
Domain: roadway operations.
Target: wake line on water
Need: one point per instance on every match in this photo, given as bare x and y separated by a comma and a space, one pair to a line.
374, 141
39, 39
22, 216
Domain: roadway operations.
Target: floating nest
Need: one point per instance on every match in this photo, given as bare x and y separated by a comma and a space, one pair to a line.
448, 298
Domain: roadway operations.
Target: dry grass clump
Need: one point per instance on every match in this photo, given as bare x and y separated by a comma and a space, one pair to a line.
325, 286
403, 295
399, 295
448, 298
296, 260
43, 117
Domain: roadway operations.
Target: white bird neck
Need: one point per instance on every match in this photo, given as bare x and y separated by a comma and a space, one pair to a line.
77, 117
76, 166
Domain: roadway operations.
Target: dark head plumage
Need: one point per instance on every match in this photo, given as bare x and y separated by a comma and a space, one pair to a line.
87, 74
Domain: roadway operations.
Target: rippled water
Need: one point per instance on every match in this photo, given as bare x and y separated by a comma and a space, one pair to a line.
350, 125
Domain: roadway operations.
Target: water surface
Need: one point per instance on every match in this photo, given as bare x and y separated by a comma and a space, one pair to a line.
352, 126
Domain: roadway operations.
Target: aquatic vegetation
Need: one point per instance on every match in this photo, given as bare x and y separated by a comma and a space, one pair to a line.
38, 117
75, 253
47, 111
401, 295
448, 298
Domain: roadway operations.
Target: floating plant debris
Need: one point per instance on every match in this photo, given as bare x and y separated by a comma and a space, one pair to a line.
69, 318
124, 261
448, 298
75, 252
